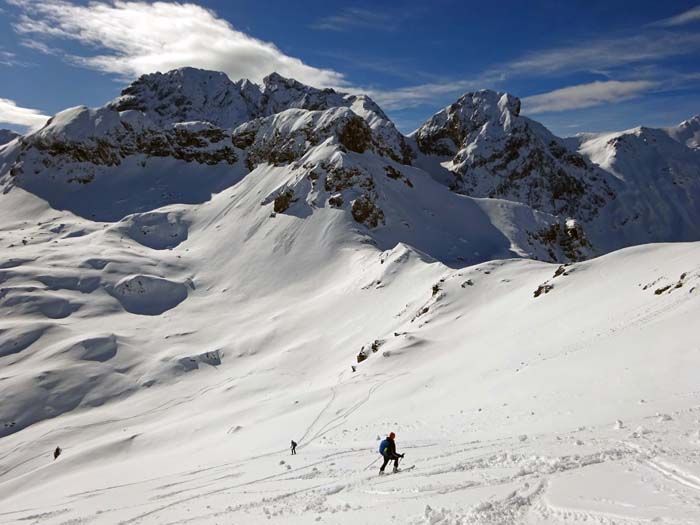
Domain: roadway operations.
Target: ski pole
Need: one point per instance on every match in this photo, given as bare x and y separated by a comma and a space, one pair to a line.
373, 462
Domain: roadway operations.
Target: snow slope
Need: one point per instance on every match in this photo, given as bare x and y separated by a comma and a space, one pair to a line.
180, 297
506, 403
658, 185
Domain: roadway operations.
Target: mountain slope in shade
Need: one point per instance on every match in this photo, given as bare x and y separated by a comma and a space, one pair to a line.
7, 136
658, 185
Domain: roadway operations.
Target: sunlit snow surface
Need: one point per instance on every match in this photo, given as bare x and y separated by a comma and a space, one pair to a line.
507, 404
172, 333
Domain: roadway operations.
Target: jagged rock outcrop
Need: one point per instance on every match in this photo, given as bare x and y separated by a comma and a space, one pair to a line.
285, 137
79, 141
566, 241
495, 152
181, 136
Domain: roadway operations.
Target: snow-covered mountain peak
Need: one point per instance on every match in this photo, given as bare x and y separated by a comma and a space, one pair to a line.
276, 82
493, 151
687, 132
446, 131
190, 94
281, 93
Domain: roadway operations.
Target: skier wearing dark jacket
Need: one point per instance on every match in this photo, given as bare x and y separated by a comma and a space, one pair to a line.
387, 448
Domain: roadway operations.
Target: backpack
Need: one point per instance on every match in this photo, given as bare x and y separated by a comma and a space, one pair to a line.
382, 446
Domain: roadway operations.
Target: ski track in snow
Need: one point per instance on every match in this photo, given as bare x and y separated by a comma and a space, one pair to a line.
523, 499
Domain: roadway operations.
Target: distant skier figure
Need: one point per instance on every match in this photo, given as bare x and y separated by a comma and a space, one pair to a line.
57, 453
387, 449
294, 448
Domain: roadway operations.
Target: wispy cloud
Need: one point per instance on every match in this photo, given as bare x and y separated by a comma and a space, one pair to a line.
11, 113
352, 18
585, 95
38, 45
619, 58
7, 58
129, 38
687, 17
10, 59
604, 54
422, 94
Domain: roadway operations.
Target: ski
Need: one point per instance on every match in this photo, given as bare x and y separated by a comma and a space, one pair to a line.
398, 472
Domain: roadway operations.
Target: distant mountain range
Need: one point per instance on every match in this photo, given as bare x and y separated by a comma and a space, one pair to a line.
476, 181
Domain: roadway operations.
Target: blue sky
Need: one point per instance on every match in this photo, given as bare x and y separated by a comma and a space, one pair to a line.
577, 65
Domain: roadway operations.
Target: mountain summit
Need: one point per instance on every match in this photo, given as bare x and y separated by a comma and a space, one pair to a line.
181, 136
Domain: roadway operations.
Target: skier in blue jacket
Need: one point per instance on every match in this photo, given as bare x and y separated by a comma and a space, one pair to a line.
387, 449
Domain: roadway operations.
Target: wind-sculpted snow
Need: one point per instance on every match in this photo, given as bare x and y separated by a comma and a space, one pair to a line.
157, 230
100, 348
576, 406
149, 295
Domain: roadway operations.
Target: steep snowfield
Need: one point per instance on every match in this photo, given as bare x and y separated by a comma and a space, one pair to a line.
658, 187
506, 403
201, 271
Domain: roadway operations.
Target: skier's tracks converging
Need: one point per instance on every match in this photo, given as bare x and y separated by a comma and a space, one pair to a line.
343, 414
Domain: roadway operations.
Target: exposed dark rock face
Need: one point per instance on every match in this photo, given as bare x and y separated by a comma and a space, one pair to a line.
567, 240
283, 201
366, 212
356, 135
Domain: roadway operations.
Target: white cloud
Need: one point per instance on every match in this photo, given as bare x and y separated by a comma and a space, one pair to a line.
687, 17
11, 113
356, 18
585, 95
130, 38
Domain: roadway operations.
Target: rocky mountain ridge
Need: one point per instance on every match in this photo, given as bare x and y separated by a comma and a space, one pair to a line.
180, 136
